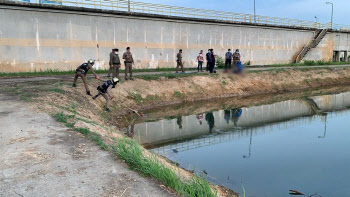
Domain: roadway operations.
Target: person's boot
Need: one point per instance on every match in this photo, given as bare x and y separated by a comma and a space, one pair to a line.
94, 97
126, 79
88, 93
74, 85
108, 110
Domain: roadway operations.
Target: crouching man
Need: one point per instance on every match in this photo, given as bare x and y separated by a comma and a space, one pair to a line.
81, 72
105, 91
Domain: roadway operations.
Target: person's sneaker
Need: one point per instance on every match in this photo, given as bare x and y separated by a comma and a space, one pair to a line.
88, 93
108, 110
74, 85
94, 97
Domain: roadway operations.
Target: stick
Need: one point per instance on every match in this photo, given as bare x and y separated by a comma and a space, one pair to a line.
131, 109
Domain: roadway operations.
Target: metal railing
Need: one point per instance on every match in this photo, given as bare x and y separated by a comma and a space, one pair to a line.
166, 10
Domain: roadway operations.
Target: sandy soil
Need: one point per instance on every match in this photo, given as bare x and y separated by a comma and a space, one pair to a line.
42, 158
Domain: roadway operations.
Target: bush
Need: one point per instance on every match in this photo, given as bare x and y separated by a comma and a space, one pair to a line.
220, 62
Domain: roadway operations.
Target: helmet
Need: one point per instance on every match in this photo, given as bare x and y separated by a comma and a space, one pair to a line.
91, 61
115, 80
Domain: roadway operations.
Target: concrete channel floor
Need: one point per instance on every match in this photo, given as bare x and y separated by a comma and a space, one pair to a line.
40, 157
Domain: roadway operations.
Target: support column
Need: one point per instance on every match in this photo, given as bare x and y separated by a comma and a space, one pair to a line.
346, 59
337, 56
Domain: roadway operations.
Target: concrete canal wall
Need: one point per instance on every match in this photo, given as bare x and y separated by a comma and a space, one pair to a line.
39, 37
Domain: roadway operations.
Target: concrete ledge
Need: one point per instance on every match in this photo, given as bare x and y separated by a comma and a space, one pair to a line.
48, 7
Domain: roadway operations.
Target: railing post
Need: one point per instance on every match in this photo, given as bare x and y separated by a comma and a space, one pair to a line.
128, 5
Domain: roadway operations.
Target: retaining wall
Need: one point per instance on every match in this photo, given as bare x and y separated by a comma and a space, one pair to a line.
40, 37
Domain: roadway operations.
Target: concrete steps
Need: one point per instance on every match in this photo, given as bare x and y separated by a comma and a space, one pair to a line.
319, 35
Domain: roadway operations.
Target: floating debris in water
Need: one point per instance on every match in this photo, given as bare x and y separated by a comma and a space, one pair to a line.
295, 192
175, 151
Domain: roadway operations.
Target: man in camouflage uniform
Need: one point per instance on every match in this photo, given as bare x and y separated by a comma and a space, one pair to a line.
114, 63
128, 61
179, 61
81, 72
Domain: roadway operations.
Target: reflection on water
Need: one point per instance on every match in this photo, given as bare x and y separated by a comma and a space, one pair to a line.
300, 144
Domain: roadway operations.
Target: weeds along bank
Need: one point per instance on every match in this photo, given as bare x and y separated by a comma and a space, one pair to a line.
87, 116
142, 94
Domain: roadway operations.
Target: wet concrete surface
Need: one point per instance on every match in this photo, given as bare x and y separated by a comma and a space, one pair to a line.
39, 157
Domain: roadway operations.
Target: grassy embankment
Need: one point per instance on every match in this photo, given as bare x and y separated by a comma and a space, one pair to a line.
57, 96
220, 65
132, 153
126, 149
72, 72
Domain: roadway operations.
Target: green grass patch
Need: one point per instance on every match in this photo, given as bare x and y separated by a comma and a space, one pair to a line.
306, 63
178, 94
136, 97
131, 153
57, 90
168, 76
69, 121
50, 72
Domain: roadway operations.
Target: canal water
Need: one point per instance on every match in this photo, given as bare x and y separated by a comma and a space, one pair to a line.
298, 144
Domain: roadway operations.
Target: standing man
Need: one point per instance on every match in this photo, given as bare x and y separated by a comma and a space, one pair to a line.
81, 72
179, 61
212, 61
114, 63
228, 56
128, 61
207, 58
200, 59
236, 57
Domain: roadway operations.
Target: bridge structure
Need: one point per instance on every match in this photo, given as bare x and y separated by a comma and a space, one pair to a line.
59, 35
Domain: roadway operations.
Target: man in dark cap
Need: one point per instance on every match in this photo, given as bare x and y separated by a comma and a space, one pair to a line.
114, 63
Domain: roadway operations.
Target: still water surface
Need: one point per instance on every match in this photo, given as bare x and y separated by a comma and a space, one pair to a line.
300, 144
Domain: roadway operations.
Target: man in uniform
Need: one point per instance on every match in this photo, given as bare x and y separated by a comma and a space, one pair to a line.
114, 63
128, 61
105, 91
179, 61
81, 72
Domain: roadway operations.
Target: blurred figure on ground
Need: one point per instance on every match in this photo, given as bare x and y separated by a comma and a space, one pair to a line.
236, 57
81, 72
238, 69
200, 59
128, 61
105, 91
179, 62
114, 63
228, 60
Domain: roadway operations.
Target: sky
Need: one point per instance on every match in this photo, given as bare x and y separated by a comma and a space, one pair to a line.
295, 9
